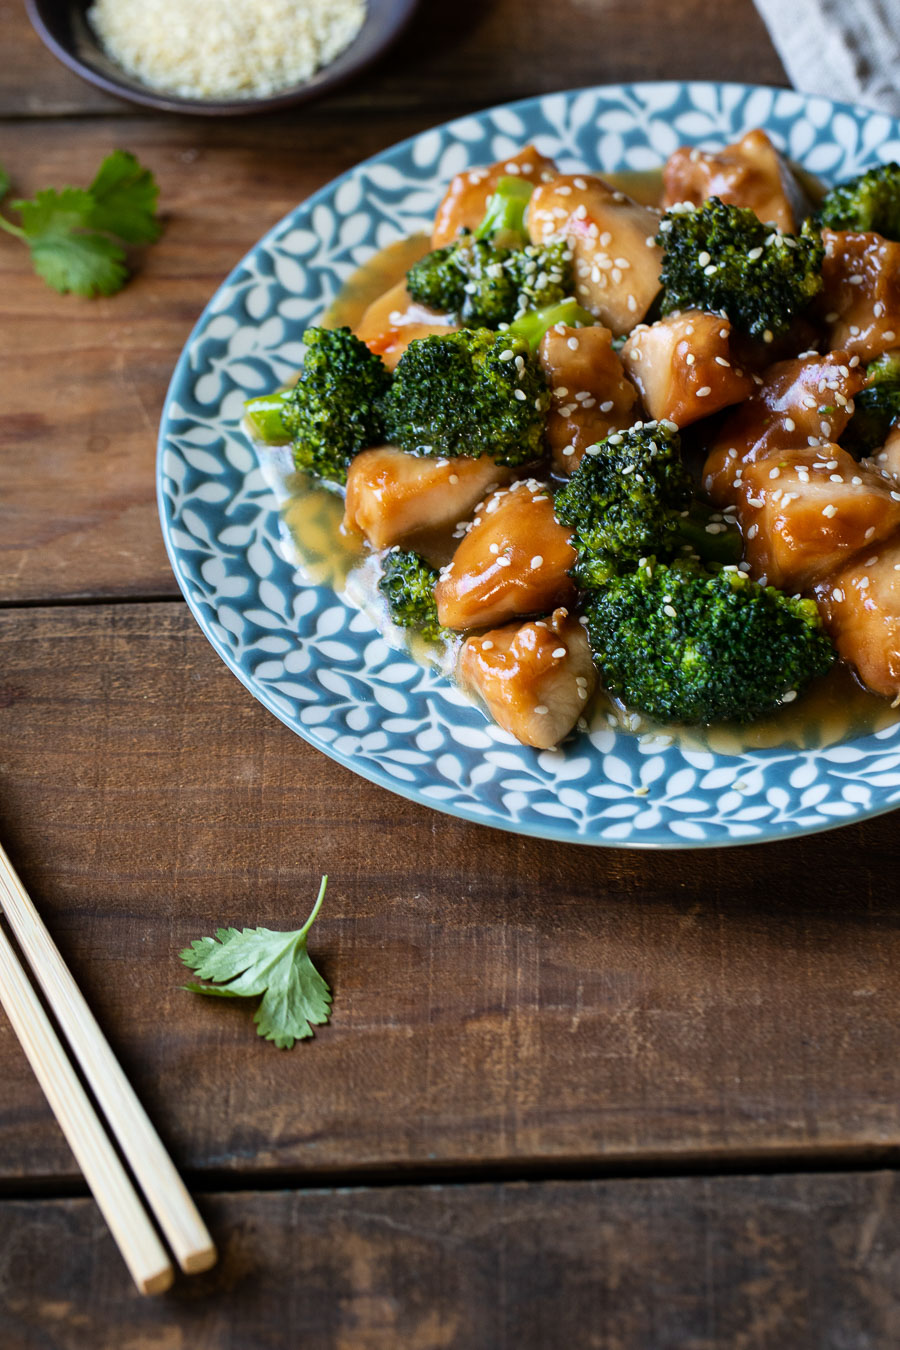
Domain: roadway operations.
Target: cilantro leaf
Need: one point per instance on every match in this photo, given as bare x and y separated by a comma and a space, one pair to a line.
257, 961
75, 235
125, 196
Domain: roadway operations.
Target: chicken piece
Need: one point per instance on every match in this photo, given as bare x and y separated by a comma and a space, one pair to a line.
804, 512
514, 560
684, 368
616, 259
535, 678
590, 396
861, 299
808, 398
393, 496
887, 459
465, 200
749, 173
395, 320
860, 607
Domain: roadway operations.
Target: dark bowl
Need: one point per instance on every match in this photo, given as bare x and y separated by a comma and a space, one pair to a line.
62, 26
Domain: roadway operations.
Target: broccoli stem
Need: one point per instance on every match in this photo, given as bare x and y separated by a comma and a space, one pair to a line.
534, 323
264, 417
506, 208
723, 545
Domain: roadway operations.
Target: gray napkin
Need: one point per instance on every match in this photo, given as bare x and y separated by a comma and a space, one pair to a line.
845, 49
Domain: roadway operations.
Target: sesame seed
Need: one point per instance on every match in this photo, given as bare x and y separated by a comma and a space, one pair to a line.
829, 510
519, 394
752, 255
710, 270
607, 406
507, 355
723, 332
836, 477
690, 359
825, 427
888, 335
790, 424
504, 560
494, 548
702, 393
572, 344
671, 611
768, 335
753, 532
789, 696
837, 594
720, 361
541, 710
537, 561
558, 653
487, 645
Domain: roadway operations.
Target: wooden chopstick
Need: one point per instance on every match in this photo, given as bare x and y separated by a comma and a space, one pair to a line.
165, 1192
137, 1239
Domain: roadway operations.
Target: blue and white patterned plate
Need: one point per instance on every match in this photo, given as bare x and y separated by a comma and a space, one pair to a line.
317, 662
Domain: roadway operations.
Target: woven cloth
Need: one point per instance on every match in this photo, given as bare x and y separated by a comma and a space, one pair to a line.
845, 49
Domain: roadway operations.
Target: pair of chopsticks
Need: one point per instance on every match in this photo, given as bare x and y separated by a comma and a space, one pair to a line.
164, 1191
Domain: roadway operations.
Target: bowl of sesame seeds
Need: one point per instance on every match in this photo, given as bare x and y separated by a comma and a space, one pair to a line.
218, 58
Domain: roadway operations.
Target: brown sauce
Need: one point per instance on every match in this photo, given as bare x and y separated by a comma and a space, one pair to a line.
835, 708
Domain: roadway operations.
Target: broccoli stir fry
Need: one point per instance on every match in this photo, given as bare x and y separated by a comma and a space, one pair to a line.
595, 444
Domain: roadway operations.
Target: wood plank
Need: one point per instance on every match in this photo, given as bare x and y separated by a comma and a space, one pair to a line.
497, 999
448, 57
84, 380
742, 1263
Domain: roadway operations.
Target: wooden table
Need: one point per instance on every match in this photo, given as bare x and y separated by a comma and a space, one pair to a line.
569, 1097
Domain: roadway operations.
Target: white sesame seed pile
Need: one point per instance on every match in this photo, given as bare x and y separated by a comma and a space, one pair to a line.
225, 49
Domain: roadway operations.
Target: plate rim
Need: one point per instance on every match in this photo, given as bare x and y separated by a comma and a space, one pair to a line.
787, 830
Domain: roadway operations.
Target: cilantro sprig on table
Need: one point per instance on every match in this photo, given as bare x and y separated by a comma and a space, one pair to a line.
245, 964
76, 235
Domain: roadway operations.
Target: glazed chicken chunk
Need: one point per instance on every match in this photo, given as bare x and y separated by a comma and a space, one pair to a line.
860, 605
395, 320
465, 201
799, 402
861, 299
514, 560
535, 677
590, 395
684, 368
616, 259
392, 497
803, 513
749, 173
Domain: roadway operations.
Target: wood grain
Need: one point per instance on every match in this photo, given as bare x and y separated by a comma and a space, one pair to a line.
497, 999
467, 55
771, 1263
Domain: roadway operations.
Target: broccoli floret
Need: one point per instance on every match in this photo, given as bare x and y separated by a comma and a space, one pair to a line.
871, 201
683, 644
471, 393
876, 407
408, 583
333, 410
485, 285
723, 258
505, 211
489, 277
631, 496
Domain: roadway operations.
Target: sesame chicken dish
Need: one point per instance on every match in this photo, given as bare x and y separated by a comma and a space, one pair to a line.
589, 445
